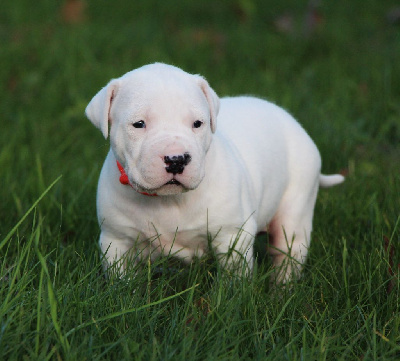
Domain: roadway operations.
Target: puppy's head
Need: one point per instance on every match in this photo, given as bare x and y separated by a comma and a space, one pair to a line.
160, 119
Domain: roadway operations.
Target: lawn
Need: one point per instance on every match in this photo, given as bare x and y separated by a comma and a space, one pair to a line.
335, 65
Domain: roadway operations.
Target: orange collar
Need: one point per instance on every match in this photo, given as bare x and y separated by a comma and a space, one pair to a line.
125, 180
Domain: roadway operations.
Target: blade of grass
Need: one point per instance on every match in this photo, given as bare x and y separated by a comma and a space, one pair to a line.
344, 269
10, 234
38, 321
19, 284
124, 312
51, 296
272, 328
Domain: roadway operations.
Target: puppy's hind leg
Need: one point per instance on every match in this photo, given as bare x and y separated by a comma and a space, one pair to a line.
290, 233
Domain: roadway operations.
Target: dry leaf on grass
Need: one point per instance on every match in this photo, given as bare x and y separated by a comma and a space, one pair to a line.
73, 11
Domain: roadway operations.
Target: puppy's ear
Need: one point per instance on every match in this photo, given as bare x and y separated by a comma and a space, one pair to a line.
98, 110
212, 99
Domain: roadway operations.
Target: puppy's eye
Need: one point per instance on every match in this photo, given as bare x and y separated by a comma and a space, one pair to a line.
197, 124
139, 124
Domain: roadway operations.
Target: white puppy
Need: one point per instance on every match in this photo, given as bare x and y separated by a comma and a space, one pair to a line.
169, 185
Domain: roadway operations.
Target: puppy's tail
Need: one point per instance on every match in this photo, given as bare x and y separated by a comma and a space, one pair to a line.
326, 181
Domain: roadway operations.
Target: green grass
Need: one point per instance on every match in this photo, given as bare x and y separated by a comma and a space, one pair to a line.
340, 79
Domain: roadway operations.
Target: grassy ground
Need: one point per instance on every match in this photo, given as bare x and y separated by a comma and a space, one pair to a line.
336, 68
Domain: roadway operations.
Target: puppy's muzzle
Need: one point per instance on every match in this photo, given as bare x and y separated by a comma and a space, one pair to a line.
176, 163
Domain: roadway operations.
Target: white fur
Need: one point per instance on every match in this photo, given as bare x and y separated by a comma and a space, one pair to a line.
259, 171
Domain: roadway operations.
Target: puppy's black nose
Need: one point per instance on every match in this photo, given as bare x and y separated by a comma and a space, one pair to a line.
176, 163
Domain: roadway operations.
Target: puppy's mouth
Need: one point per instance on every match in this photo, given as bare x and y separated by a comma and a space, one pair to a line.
173, 182
171, 187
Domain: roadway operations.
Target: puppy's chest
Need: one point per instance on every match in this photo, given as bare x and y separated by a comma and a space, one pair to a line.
175, 224
185, 239
183, 244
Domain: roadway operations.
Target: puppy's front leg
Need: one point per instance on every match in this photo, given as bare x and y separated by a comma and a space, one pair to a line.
235, 251
116, 251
